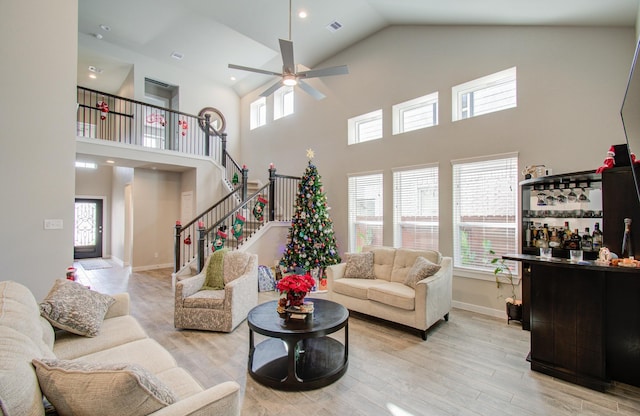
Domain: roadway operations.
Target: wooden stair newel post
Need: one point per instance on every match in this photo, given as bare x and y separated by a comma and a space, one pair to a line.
272, 192
201, 235
176, 247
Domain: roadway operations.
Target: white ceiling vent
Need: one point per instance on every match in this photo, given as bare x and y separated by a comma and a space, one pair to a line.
334, 26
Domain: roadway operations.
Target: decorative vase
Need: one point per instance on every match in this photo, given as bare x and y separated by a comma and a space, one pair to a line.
295, 298
514, 312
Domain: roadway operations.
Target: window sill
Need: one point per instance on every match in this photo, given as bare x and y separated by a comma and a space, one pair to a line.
478, 275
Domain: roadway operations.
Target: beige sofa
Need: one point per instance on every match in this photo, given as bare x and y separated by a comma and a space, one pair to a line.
25, 335
385, 295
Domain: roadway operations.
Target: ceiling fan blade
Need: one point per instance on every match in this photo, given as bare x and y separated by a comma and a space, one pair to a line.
286, 50
310, 90
325, 72
272, 89
259, 71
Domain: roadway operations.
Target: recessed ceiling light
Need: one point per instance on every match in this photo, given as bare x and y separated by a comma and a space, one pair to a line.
105, 28
177, 55
110, 161
93, 76
232, 78
302, 14
98, 36
95, 69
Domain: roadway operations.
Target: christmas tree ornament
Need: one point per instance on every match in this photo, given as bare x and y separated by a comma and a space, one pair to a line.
238, 225
104, 109
187, 240
235, 179
258, 209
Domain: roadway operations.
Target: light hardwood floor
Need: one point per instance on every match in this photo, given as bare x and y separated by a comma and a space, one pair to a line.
471, 365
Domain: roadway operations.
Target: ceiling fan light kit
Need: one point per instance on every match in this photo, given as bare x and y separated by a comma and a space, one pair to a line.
289, 76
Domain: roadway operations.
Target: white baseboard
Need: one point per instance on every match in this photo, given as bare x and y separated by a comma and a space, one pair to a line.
118, 261
151, 267
496, 313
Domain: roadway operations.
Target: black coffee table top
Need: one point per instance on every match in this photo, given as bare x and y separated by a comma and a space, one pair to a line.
328, 317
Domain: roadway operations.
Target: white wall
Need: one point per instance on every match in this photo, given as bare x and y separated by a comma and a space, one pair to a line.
122, 176
571, 82
37, 80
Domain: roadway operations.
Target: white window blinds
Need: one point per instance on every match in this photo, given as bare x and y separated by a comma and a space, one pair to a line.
365, 211
415, 202
484, 210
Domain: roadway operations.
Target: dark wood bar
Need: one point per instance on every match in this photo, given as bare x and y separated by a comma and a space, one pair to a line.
584, 320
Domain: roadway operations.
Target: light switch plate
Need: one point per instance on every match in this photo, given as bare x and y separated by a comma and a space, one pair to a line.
53, 224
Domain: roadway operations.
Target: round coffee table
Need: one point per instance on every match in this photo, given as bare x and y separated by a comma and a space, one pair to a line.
299, 355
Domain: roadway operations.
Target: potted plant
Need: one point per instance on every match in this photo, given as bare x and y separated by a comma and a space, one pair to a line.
504, 275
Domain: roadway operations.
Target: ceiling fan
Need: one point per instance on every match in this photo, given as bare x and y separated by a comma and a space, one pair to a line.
289, 76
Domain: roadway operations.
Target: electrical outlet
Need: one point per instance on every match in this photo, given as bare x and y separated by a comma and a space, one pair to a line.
53, 224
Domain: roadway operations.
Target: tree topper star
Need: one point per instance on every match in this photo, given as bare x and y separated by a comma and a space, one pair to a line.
310, 154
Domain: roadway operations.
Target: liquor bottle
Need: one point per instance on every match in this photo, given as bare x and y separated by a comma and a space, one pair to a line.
574, 241
627, 250
597, 237
554, 240
567, 233
587, 240
527, 234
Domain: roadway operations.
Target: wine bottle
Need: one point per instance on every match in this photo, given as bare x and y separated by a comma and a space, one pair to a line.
627, 250
597, 237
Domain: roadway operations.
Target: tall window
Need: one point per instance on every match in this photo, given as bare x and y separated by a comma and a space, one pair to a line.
415, 208
283, 102
258, 113
415, 114
365, 127
484, 210
365, 211
495, 92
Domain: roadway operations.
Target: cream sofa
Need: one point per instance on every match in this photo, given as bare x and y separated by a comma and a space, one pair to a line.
25, 335
385, 294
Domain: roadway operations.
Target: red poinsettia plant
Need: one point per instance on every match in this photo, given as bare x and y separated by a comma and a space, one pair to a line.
296, 283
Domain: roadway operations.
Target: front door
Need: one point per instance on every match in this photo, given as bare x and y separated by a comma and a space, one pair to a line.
88, 228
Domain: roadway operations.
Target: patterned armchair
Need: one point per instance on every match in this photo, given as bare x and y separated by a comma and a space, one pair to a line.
218, 310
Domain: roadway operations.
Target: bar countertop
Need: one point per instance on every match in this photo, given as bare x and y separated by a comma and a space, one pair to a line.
565, 263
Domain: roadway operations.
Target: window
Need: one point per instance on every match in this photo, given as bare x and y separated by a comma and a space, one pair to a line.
365, 211
495, 92
365, 127
258, 113
484, 211
415, 204
86, 165
283, 102
415, 114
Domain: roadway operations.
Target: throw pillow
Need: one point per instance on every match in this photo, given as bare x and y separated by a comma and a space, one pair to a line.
83, 388
359, 265
214, 279
73, 307
421, 269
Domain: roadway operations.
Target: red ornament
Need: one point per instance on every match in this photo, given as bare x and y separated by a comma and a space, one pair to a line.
184, 125
104, 109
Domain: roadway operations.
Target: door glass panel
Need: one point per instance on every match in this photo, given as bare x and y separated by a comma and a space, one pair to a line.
85, 229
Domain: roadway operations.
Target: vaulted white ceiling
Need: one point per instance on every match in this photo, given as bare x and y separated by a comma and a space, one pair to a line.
213, 33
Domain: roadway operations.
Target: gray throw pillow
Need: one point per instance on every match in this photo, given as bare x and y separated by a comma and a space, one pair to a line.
74, 308
84, 388
421, 269
359, 265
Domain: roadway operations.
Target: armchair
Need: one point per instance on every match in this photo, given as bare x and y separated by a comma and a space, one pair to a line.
218, 310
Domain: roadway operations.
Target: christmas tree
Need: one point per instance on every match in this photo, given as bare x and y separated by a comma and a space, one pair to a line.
311, 243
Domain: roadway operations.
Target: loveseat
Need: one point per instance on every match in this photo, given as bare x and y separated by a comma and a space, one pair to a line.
118, 370
406, 286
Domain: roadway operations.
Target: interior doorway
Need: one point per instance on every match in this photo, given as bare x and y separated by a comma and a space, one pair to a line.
87, 242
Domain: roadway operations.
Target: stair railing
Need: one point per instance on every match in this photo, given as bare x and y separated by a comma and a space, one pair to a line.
278, 197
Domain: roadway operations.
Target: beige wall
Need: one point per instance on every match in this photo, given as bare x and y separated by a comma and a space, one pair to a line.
122, 177
156, 206
37, 80
570, 87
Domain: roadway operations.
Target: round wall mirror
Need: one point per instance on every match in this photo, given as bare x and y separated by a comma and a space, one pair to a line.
217, 121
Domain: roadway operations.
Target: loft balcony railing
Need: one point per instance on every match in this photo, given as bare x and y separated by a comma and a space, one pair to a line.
109, 117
